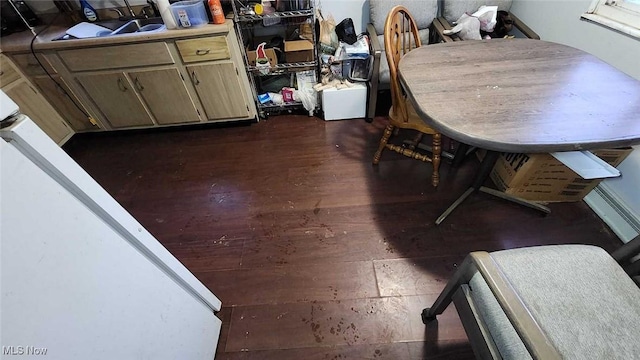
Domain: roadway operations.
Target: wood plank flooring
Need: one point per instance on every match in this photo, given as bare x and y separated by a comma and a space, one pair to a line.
314, 252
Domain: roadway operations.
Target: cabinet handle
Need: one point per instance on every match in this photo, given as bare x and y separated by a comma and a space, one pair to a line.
203, 51
138, 84
121, 85
195, 78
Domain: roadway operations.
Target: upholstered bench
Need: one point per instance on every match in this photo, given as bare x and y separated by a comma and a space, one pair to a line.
548, 302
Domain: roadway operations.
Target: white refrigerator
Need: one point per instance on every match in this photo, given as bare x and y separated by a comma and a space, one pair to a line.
80, 278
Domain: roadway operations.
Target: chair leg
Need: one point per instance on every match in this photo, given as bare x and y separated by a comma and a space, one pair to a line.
383, 143
416, 141
462, 275
435, 159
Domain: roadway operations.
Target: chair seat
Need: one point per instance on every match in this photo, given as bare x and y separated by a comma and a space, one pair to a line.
589, 307
413, 122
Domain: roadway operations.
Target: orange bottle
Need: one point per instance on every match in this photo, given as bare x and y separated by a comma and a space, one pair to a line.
216, 11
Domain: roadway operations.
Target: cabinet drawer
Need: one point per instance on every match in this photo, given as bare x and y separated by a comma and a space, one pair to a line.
114, 57
30, 66
7, 73
204, 49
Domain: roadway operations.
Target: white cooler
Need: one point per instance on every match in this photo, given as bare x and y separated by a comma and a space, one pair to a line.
348, 103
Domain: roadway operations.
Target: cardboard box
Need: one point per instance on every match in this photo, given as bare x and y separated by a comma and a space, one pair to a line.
271, 54
541, 177
298, 51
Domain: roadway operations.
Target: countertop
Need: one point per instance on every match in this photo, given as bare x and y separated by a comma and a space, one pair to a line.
20, 42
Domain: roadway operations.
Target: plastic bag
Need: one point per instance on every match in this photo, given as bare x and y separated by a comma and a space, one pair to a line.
308, 98
328, 39
487, 16
346, 32
467, 28
305, 93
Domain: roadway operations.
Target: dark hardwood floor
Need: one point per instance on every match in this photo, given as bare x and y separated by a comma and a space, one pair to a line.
314, 252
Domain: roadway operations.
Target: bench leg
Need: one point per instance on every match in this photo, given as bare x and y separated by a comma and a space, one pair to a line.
461, 276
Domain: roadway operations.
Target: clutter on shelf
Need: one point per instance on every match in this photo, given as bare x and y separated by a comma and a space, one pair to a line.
351, 61
301, 93
278, 40
346, 64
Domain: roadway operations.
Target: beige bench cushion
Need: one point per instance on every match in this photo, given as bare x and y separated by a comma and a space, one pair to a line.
582, 299
423, 11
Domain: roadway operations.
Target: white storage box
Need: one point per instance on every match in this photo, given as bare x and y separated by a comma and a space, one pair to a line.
189, 13
348, 103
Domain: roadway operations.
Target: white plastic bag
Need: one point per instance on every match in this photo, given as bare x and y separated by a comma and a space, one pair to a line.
305, 93
467, 28
487, 16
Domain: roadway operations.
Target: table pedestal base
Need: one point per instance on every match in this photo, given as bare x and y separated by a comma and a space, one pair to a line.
485, 168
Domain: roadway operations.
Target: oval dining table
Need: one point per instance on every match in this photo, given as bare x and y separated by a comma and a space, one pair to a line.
523, 96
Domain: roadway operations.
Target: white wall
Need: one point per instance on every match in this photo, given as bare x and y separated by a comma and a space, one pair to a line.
357, 10
559, 21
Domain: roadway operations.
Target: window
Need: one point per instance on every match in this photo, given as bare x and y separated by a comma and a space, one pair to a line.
620, 15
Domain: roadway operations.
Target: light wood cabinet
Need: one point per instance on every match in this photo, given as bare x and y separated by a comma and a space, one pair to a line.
203, 49
31, 66
162, 79
32, 103
7, 73
128, 99
115, 97
219, 89
66, 104
115, 57
166, 95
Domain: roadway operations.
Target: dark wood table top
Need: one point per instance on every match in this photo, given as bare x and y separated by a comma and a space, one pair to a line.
522, 95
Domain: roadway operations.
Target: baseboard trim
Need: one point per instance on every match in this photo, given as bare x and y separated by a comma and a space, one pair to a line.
622, 220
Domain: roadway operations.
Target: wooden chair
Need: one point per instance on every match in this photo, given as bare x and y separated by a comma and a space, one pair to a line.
548, 302
451, 10
423, 11
400, 37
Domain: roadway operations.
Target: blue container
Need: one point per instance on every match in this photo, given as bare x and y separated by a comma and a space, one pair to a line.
189, 13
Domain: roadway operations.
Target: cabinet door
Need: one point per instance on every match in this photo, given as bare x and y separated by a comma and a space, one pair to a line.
219, 89
66, 106
166, 95
7, 73
116, 98
34, 105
